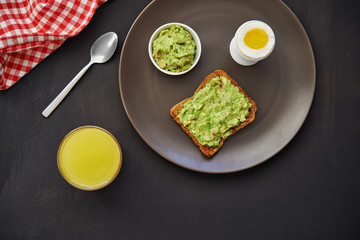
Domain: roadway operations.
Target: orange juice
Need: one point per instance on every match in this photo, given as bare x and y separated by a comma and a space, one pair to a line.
89, 158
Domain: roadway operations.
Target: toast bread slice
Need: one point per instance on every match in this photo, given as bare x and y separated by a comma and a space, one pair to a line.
175, 111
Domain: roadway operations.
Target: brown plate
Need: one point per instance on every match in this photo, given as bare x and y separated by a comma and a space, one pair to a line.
282, 85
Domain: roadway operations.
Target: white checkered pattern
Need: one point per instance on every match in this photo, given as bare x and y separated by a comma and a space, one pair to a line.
31, 30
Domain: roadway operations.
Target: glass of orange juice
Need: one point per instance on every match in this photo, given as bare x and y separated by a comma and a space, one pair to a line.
89, 158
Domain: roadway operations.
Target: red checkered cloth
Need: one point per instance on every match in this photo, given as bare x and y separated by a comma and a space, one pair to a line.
32, 29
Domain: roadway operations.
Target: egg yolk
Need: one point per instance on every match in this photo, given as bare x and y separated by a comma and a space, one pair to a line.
256, 38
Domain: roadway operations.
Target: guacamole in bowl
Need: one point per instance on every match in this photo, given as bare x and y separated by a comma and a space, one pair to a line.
174, 48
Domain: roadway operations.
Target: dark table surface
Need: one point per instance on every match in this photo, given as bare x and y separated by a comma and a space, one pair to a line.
309, 190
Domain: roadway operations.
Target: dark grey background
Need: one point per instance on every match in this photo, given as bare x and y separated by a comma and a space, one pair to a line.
310, 190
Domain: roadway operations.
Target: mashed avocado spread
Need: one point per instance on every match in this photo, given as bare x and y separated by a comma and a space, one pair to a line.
214, 111
174, 49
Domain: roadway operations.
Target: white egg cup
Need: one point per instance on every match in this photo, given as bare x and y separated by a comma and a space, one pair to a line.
237, 56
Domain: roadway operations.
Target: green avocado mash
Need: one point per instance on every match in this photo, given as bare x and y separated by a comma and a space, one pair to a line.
174, 49
214, 111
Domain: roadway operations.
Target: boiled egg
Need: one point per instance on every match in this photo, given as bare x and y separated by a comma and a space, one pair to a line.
255, 40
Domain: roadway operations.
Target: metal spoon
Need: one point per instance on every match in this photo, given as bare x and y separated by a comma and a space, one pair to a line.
101, 51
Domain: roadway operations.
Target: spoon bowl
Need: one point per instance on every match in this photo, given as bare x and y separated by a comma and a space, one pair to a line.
104, 47
101, 51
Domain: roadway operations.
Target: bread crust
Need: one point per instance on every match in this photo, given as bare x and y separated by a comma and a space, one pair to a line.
210, 151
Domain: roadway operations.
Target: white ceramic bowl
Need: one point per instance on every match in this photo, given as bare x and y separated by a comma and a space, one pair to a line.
195, 38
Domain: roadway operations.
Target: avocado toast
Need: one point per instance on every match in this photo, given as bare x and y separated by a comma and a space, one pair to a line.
218, 109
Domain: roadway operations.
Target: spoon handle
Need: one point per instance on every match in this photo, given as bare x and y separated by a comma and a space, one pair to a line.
65, 91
